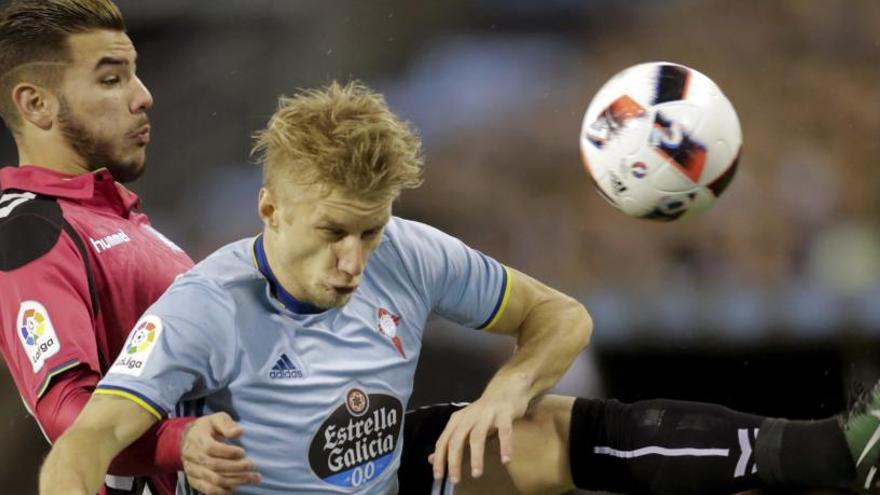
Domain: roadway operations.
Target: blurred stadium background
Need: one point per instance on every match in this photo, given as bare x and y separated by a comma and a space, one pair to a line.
769, 303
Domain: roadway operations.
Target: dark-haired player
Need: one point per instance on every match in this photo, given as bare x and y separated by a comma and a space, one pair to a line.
79, 262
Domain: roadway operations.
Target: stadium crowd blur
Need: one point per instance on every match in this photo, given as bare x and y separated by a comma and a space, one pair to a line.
769, 302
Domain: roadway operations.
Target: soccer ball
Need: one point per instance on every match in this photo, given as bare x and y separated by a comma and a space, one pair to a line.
661, 141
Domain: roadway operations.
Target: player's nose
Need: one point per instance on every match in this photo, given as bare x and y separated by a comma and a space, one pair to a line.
351, 257
143, 99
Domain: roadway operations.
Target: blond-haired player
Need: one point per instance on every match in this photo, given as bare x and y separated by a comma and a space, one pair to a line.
308, 335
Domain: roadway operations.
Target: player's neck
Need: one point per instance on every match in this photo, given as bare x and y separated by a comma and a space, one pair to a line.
49, 154
270, 246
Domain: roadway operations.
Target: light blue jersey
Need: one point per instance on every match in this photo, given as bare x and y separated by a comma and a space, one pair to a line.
321, 396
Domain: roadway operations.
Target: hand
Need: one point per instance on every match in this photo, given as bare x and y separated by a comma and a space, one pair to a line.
474, 424
212, 466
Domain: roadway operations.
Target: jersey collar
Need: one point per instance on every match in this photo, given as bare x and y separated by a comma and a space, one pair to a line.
98, 185
290, 303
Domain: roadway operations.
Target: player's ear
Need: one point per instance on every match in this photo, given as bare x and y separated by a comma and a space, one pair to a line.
267, 209
35, 104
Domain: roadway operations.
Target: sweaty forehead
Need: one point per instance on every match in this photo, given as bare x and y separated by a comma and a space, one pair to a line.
351, 211
345, 210
90, 47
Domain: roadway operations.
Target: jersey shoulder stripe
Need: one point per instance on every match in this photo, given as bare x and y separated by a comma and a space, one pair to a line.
501, 304
57, 370
139, 399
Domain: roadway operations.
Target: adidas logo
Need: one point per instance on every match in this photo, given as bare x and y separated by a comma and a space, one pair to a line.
284, 368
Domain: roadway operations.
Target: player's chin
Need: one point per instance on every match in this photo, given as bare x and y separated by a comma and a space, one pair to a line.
337, 299
129, 169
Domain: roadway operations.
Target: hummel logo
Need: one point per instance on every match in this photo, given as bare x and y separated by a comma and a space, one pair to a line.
110, 241
285, 368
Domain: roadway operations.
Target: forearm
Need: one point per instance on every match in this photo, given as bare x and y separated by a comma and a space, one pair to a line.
76, 465
156, 451
80, 457
551, 335
551, 330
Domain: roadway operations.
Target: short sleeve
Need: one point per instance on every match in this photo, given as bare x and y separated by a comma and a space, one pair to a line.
459, 283
47, 322
183, 346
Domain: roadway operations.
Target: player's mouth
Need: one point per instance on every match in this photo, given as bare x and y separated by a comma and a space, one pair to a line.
142, 135
344, 290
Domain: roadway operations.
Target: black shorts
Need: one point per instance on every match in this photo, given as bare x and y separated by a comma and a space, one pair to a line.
421, 430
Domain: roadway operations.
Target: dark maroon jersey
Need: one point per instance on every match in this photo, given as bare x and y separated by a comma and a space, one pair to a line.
79, 264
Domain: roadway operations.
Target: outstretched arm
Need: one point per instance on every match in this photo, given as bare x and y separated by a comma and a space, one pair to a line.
156, 451
551, 329
80, 458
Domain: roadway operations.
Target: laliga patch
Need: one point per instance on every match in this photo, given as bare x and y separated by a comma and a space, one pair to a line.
356, 444
36, 333
138, 347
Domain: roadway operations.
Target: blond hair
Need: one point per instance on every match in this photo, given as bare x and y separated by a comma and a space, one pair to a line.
340, 137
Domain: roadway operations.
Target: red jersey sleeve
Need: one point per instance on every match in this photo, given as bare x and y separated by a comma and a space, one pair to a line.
47, 320
156, 452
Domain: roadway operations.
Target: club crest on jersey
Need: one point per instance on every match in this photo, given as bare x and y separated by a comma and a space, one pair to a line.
37, 334
357, 402
138, 347
387, 325
357, 442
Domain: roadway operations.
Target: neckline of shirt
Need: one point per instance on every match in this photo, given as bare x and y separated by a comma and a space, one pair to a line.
83, 187
287, 299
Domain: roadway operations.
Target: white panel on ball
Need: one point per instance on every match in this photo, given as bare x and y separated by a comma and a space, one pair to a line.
654, 134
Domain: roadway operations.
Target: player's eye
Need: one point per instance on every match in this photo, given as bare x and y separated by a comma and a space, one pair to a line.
370, 234
111, 80
331, 233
